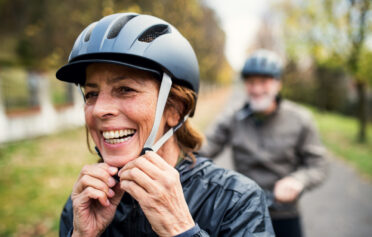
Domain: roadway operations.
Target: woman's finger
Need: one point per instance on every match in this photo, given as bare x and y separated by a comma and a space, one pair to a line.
145, 165
136, 191
100, 171
139, 177
157, 160
89, 181
92, 193
166, 175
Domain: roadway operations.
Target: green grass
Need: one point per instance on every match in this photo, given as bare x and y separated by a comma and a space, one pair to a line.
36, 179
339, 134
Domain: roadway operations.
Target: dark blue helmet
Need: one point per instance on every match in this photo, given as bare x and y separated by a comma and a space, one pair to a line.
139, 41
263, 63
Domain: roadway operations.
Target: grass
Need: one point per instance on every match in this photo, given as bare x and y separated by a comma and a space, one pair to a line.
36, 179
339, 135
37, 175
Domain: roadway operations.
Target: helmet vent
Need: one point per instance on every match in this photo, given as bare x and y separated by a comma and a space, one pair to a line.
87, 35
118, 25
154, 32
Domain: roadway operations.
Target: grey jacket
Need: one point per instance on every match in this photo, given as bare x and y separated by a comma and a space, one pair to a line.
284, 143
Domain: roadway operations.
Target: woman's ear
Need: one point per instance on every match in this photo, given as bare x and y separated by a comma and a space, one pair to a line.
172, 116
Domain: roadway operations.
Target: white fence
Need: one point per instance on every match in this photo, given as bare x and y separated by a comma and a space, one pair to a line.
44, 121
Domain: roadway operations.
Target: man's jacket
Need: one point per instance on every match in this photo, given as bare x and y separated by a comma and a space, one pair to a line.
269, 148
222, 203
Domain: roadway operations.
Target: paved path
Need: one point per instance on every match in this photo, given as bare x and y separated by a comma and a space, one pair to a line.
341, 207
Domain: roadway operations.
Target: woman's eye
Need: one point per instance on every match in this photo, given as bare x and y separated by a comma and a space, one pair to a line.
125, 90
90, 95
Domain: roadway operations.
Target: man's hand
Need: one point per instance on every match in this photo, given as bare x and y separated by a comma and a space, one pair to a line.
287, 189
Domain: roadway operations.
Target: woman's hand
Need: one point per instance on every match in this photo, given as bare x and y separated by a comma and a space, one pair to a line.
95, 197
157, 188
287, 189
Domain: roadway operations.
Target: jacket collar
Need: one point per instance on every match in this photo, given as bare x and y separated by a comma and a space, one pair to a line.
187, 168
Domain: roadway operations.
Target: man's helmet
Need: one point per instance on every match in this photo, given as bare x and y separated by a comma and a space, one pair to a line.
139, 41
263, 63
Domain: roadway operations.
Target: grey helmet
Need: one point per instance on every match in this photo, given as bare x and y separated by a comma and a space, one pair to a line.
139, 41
263, 63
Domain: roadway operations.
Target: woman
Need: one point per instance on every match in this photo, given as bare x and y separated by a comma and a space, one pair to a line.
140, 80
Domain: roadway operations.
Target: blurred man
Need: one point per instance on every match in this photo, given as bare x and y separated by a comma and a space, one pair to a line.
274, 142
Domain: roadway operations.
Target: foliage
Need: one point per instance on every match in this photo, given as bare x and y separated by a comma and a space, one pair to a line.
327, 30
41, 33
332, 35
15, 91
13, 88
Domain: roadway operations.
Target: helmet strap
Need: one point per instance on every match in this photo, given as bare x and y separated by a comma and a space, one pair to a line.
165, 86
168, 134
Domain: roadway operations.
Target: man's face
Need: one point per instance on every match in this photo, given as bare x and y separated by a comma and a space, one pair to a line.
261, 92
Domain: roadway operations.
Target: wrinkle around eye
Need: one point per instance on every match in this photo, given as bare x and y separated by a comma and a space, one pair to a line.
125, 91
89, 95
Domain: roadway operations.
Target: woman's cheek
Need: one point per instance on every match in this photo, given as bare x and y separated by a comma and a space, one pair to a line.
89, 121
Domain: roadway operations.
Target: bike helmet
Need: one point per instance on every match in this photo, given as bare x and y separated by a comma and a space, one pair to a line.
263, 63
139, 41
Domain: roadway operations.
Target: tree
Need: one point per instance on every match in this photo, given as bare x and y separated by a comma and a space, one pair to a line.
333, 33
44, 30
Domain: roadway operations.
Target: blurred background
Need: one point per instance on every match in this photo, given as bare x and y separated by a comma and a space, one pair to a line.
327, 47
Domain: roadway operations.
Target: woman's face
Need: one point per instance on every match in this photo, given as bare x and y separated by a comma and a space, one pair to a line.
120, 110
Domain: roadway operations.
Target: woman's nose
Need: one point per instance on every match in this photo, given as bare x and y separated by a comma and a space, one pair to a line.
105, 106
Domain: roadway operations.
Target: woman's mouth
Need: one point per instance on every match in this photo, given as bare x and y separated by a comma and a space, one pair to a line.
118, 136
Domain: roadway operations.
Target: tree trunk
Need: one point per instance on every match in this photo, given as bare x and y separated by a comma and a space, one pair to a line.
362, 111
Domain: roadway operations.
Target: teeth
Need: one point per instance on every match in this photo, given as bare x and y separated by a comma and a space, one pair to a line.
118, 133
112, 134
115, 141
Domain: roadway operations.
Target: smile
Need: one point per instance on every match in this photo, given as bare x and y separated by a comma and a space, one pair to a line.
118, 136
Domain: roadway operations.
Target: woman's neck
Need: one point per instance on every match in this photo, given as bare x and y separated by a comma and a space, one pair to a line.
170, 151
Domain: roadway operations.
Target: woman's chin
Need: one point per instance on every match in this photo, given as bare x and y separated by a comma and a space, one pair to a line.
118, 160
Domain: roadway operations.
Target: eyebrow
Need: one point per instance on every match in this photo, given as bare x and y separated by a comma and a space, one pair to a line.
114, 80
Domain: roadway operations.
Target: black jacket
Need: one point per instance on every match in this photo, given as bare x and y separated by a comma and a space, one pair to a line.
222, 203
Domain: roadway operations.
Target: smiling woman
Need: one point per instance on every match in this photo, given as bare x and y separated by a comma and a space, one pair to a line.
119, 110
140, 80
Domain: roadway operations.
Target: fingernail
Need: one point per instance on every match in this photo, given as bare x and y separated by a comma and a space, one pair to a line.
111, 193
107, 202
111, 182
113, 170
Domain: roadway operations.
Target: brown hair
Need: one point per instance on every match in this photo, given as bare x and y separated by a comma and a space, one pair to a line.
184, 100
